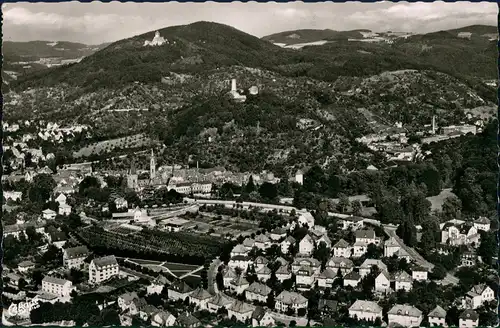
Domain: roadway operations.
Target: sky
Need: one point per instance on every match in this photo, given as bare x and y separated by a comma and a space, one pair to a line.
97, 22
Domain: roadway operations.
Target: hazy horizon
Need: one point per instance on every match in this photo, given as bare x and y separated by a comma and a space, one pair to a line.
96, 23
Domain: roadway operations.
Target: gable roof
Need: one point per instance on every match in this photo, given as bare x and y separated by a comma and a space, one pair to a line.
391, 242
477, 289
365, 306
352, 276
200, 294
76, 252
469, 315
341, 244
402, 276
180, 286
241, 307
482, 220
368, 263
291, 298
54, 280
129, 297
328, 274
438, 312
105, 261
220, 300
259, 288
365, 233
186, 320
406, 310
240, 281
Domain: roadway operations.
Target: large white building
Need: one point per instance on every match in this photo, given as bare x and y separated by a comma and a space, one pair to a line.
74, 257
365, 310
102, 269
57, 286
405, 315
290, 300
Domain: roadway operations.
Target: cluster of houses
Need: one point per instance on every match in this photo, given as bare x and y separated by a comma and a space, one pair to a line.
409, 316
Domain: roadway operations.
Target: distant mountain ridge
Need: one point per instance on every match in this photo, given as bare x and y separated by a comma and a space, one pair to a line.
202, 46
314, 35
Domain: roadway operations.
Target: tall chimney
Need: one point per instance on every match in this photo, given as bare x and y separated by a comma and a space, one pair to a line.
233, 85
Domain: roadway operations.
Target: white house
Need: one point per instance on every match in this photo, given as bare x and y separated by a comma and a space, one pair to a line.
364, 238
306, 218
217, 302
264, 274
239, 285
121, 203
74, 257
262, 318
468, 319
301, 262
57, 286
64, 209
179, 290
260, 262
48, 214
25, 266
240, 310
157, 285
283, 273
61, 199
262, 241
239, 261
306, 245
482, 224
305, 277
365, 310
340, 263
229, 275
478, 295
352, 222
383, 282
459, 234
342, 249
405, 315
290, 300
419, 274
286, 244
277, 234
437, 317
126, 302
102, 269
257, 292
391, 247
200, 298
162, 319
403, 281
366, 267
326, 278
239, 250
352, 279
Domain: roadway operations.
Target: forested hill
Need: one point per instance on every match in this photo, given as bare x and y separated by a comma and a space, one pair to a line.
204, 46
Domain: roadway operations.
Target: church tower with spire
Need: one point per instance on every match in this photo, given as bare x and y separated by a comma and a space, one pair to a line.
152, 166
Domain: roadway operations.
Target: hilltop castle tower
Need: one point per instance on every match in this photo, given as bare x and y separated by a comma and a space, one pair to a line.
132, 177
152, 166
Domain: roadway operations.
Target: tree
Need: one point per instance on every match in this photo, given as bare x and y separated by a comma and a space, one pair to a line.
204, 278
322, 254
438, 272
250, 186
344, 203
356, 207
268, 191
488, 247
452, 208
270, 302
41, 188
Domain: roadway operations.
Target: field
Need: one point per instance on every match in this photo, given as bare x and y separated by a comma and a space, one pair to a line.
135, 141
179, 266
437, 201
